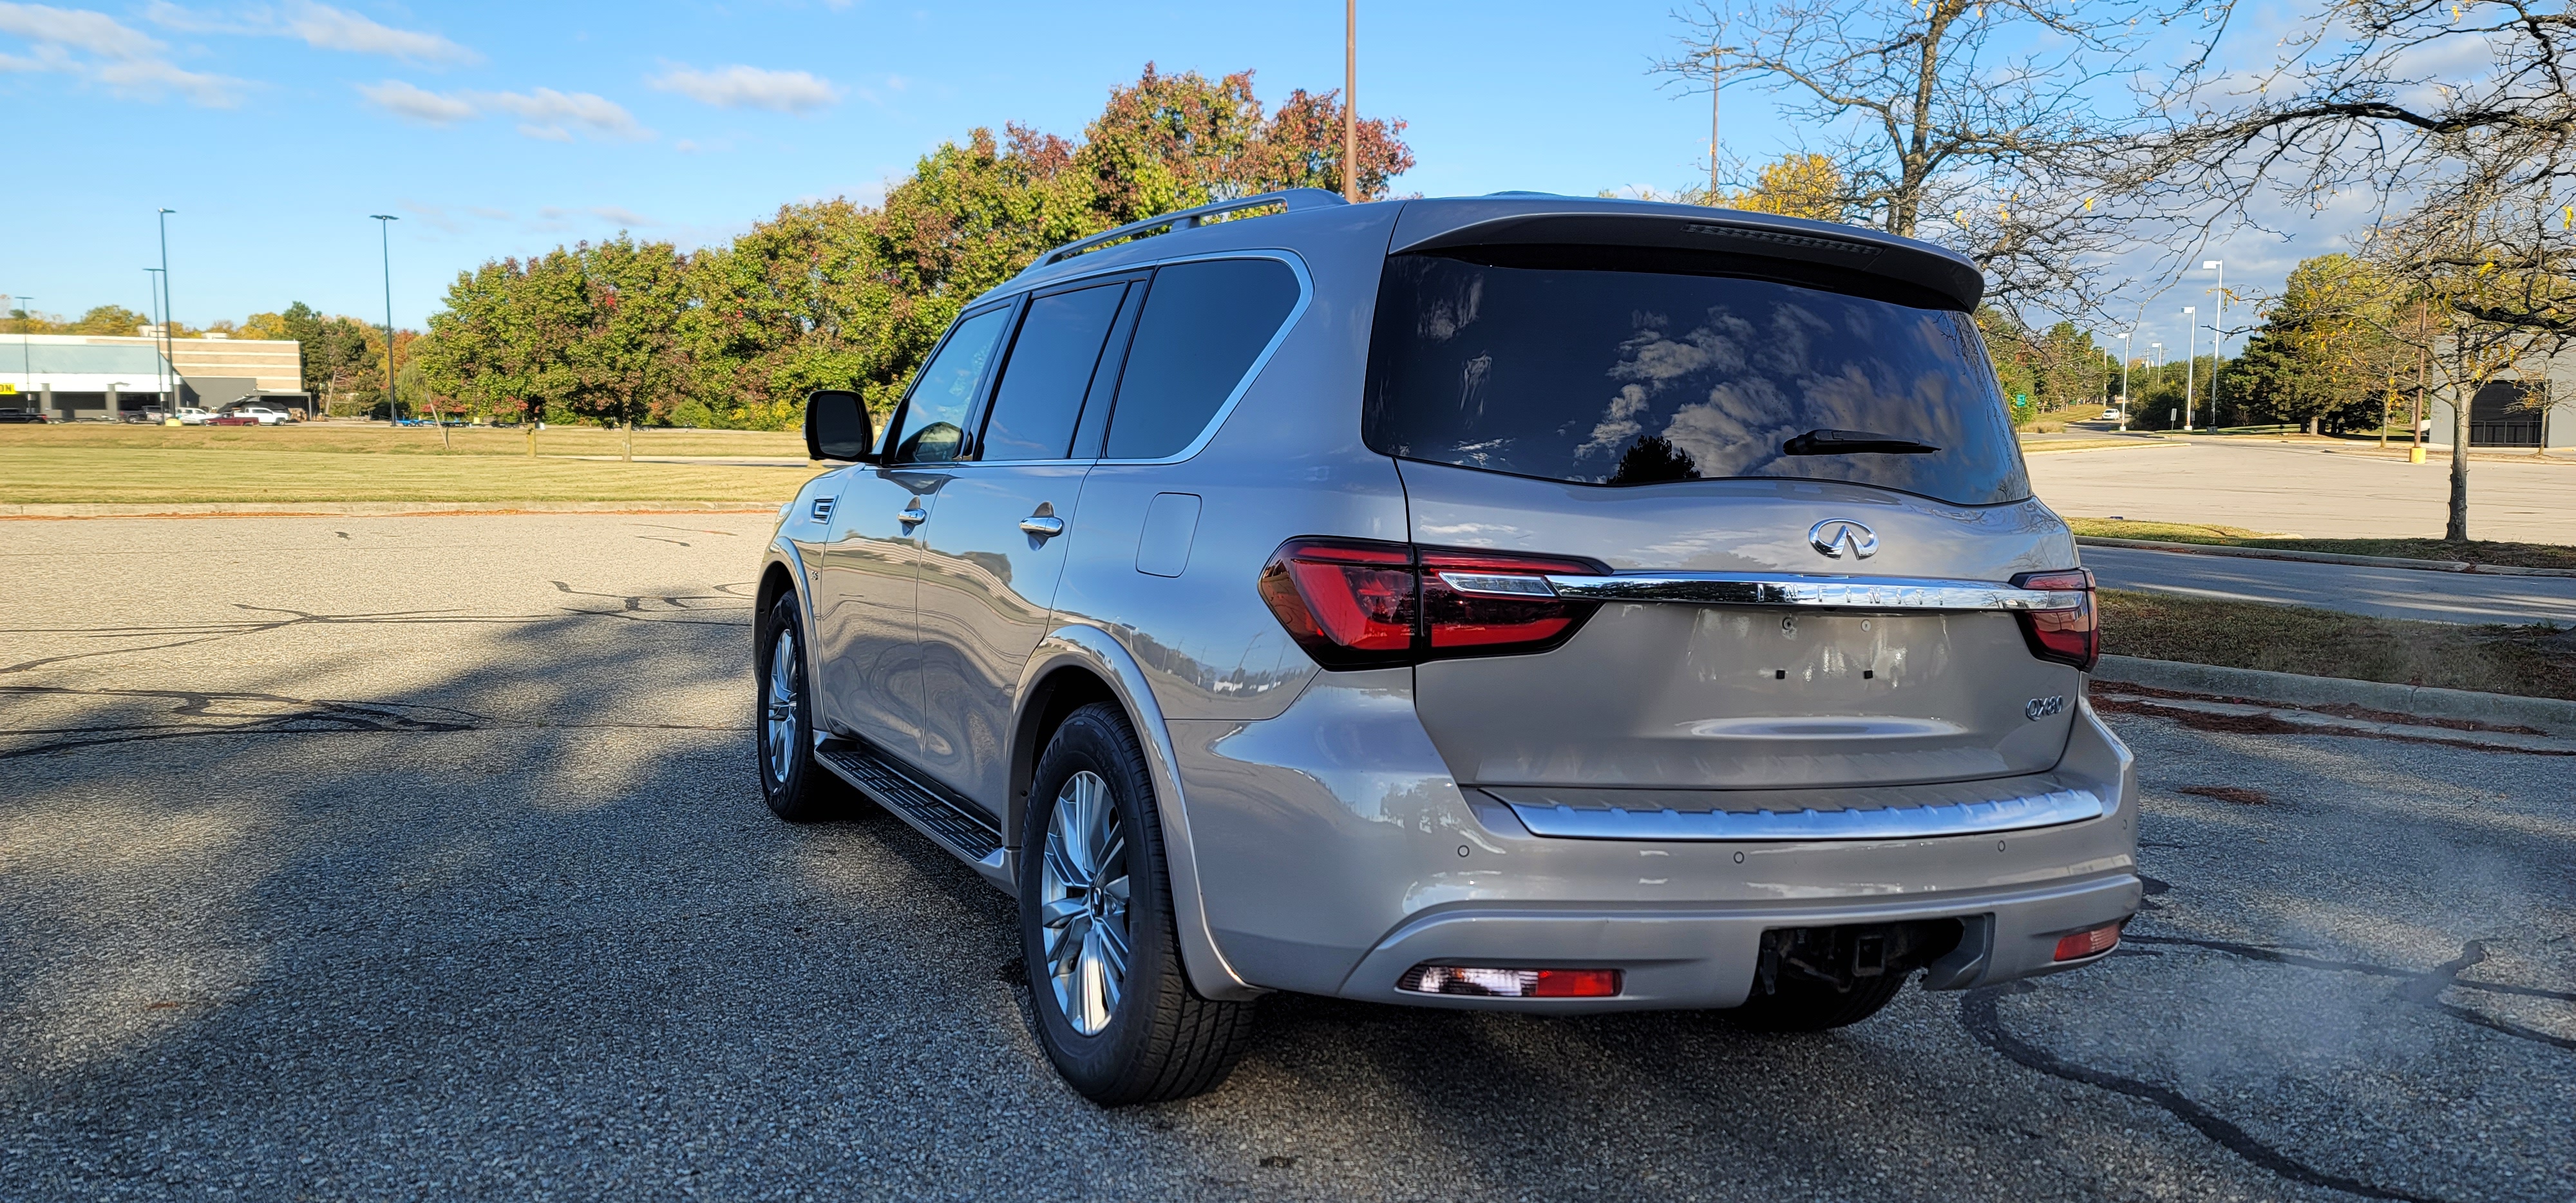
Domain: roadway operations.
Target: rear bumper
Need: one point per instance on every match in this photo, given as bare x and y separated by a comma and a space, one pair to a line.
1334, 851
1706, 958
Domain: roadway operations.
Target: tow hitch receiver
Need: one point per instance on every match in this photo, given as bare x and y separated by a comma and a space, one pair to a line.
1842, 956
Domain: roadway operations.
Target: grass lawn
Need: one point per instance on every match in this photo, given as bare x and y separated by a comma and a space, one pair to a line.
2534, 661
2475, 551
133, 475
336, 437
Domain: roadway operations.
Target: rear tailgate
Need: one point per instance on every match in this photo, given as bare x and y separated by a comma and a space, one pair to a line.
1669, 694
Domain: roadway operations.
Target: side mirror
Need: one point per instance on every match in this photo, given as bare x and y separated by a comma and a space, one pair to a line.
837, 427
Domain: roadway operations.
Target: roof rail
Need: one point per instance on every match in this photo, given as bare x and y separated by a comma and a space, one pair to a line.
1292, 199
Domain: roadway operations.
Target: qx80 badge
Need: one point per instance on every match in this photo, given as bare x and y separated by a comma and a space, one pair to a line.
1838, 537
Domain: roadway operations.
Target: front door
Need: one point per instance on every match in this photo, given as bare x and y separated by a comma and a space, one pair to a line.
996, 543
866, 592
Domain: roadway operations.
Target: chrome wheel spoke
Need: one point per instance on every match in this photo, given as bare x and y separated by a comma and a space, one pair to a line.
1082, 903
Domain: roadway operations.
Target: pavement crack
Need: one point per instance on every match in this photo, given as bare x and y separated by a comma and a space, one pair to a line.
311, 717
2421, 988
1977, 1012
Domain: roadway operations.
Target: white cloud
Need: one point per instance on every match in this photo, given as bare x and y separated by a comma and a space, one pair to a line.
126, 60
543, 113
319, 26
326, 28
742, 87
418, 104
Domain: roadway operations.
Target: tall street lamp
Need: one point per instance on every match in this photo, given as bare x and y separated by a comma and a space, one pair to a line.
160, 321
2124, 377
2191, 351
384, 230
169, 392
1351, 101
2217, 331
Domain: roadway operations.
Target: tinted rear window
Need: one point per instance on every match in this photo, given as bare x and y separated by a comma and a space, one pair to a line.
1627, 377
1203, 325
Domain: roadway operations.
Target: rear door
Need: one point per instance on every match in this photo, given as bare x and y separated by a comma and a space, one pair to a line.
995, 548
1721, 427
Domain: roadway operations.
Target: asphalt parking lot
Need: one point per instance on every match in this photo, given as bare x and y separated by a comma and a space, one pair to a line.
420, 858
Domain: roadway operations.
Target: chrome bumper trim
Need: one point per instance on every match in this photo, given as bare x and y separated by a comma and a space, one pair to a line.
1792, 589
1886, 823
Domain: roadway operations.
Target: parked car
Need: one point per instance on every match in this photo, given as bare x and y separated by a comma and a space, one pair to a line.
1520, 603
190, 415
149, 415
2110, 415
260, 413
22, 415
235, 419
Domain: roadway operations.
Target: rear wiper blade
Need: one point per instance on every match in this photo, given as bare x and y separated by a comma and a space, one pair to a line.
1848, 442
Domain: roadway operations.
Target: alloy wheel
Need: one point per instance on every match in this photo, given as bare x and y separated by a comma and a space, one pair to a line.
779, 707
1083, 902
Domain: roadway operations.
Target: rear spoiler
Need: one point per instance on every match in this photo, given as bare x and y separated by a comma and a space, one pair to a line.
1450, 226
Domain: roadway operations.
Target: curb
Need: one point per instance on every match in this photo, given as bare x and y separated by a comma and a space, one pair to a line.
2547, 714
331, 509
2045, 448
2319, 557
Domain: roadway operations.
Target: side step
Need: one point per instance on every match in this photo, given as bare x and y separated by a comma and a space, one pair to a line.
966, 834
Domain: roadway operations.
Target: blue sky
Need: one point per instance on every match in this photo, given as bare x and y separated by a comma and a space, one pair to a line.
275, 129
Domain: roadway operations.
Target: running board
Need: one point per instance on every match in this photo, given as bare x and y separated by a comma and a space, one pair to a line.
967, 835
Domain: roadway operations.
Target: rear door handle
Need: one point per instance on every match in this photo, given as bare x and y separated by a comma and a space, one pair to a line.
1044, 526
912, 515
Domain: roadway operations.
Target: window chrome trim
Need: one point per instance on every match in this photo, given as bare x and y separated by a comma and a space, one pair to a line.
1798, 589
1886, 823
1216, 421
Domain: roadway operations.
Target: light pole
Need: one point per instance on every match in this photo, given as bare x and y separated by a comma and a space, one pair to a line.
2191, 351
1351, 101
26, 373
2124, 378
1716, 83
161, 370
393, 403
2217, 331
170, 391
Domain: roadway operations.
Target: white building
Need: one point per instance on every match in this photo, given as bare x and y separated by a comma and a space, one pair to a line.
76, 376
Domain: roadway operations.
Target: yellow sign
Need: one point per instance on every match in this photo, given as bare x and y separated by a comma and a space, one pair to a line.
8, 390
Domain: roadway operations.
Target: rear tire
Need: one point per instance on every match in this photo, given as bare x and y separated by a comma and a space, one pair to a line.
1114, 1009
1798, 1005
797, 789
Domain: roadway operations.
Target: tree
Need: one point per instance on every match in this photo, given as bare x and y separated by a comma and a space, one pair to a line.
1800, 184
109, 319
625, 360
2457, 117
1976, 122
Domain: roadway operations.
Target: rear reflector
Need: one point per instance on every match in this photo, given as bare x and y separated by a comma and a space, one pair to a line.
2091, 942
1510, 983
2067, 636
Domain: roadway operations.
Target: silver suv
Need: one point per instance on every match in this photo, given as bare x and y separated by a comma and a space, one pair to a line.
1518, 603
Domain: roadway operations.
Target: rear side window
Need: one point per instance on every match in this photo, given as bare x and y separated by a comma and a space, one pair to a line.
1203, 326
934, 421
1039, 399
1629, 377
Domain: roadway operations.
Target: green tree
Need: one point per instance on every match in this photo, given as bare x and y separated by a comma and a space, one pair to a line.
109, 319
626, 361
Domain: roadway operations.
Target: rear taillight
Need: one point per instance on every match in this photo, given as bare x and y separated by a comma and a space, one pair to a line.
2071, 635
1363, 604
1510, 983
2091, 942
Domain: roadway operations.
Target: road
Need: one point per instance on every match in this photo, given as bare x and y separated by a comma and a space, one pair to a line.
420, 858
2305, 489
2386, 592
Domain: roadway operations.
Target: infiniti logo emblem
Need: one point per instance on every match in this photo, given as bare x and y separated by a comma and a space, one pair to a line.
1837, 537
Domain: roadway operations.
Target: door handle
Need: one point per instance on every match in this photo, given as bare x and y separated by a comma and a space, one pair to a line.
912, 515
1044, 526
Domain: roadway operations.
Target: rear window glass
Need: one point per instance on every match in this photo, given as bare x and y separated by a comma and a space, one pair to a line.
1203, 325
1626, 377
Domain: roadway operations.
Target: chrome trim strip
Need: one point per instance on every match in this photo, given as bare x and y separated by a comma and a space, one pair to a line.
1886, 823
1792, 589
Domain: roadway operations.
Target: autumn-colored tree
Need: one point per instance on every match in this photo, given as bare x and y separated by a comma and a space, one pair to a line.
626, 362
1799, 184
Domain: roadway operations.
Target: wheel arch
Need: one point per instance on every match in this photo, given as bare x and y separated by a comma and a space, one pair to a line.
1074, 666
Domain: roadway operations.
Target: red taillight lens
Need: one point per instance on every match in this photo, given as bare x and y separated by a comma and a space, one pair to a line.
2067, 636
2090, 942
1476, 600
1359, 604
